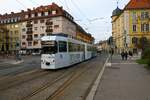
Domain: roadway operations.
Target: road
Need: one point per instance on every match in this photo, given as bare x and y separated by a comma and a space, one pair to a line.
26, 81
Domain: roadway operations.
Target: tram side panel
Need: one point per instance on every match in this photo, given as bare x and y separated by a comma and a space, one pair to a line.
88, 53
62, 60
76, 57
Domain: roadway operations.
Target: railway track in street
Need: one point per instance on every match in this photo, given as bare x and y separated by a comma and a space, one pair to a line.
7, 66
72, 75
9, 82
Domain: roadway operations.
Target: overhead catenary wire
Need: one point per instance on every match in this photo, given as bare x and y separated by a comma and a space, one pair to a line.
33, 2
66, 5
21, 4
77, 7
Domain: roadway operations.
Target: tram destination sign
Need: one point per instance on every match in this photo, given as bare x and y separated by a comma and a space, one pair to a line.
48, 43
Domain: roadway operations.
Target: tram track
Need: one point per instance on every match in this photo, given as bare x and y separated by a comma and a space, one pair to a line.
4, 66
9, 82
73, 75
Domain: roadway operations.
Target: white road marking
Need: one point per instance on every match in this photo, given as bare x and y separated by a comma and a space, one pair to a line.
124, 63
96, 83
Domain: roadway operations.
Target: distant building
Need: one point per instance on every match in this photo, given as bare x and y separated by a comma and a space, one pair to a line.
27, 27
103, 46
131, 25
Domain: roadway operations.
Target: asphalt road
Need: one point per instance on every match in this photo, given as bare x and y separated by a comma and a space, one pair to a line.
26, 81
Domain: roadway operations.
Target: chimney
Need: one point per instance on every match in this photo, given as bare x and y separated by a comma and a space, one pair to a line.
29, 9
12, 12
5, 14
22, 11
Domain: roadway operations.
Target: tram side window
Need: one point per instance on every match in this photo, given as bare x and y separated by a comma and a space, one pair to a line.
89, 48
71, 49
62, 46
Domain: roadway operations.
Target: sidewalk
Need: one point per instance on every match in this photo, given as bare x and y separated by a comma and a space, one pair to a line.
124, 80
9, 60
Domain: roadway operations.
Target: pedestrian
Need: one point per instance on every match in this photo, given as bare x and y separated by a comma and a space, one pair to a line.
126, 55
122, 55
130, 54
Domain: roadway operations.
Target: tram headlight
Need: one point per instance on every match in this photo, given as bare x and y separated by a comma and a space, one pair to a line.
47, 63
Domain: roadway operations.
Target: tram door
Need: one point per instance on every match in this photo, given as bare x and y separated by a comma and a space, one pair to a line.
84, 52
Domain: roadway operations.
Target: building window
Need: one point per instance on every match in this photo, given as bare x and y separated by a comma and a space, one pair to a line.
41, 35
54, 12
145, 27
42, 21
23, 43
134, 28
29, 43
16, 26
46, 13
23, 30
26, 16
35, 21
35, 28
56, 26
39, 14
23, 36
42, 27
144, 15
32, 15
35, 43
49, 27
35, 35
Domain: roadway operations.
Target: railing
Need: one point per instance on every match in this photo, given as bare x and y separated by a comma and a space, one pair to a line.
49, 23
49, 30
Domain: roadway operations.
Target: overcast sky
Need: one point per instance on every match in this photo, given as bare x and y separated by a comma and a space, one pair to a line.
93, 15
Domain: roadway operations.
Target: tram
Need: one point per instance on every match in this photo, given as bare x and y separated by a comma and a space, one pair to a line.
59, 51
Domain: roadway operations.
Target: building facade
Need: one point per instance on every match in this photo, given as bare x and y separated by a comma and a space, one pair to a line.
27, 27
131, 26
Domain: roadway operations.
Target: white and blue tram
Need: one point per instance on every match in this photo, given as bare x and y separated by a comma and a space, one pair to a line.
59, 51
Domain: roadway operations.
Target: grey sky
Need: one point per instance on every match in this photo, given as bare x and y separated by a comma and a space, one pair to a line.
92, 15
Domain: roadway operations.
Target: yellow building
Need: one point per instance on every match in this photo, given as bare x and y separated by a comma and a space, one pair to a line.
10, 37
131, 26
118, 29
14, 36
3, 38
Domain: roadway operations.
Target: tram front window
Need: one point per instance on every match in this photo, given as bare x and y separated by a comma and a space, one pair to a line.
49, 47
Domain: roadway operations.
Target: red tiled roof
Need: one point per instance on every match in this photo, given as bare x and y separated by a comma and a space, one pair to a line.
138, 4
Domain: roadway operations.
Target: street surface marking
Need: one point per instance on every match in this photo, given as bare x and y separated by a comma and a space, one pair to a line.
96, 83
124, 63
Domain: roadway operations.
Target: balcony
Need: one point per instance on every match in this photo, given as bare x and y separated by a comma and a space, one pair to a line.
29, 25
49, 30
49, 23
29, 38
29, 32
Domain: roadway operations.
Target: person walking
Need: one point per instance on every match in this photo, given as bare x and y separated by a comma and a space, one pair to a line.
130, 54
122, 55
126, 55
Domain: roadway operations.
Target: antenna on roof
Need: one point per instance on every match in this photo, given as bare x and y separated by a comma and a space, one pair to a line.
117, 3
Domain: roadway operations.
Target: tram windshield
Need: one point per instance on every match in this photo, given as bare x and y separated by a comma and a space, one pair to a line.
49, 47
